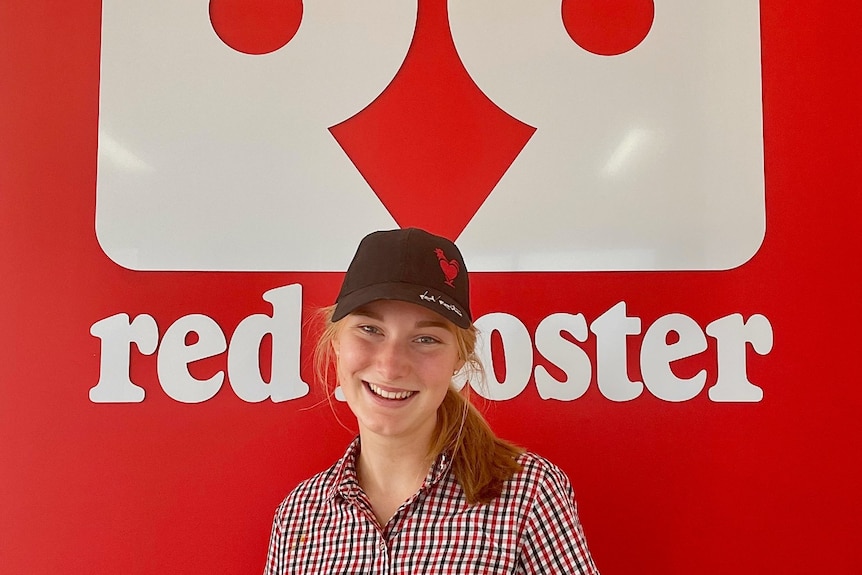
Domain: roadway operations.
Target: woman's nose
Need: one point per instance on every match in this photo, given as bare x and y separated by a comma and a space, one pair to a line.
392, 361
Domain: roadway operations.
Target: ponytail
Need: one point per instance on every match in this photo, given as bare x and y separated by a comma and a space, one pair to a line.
481, 461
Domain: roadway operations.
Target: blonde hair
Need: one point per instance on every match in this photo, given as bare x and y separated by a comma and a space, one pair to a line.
481, 461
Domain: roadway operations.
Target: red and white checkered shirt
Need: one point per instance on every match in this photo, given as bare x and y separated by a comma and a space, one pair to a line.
326, 526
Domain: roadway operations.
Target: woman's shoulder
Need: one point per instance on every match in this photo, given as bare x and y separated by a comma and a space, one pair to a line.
539, 476
326, 483
310, 493
551, 528
534, 464
318, 485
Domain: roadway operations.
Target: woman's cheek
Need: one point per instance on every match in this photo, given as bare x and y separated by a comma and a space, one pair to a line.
351, 350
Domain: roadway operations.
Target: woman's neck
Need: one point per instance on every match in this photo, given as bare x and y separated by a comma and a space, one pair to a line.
390, 471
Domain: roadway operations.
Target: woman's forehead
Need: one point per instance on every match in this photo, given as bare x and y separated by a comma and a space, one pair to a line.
392, 310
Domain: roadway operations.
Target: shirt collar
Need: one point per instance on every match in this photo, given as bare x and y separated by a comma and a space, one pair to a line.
344, 481
346, 484
439, 469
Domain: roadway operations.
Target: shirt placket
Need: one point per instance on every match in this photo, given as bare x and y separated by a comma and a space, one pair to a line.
380, 555
392, 530
389, 533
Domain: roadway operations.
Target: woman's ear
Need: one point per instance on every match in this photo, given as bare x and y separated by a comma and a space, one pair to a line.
336, 345
458, 366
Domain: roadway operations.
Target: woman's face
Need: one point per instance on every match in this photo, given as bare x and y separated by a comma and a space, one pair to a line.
395, 363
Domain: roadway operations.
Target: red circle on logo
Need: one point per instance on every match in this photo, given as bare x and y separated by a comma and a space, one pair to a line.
255, 26
608, 27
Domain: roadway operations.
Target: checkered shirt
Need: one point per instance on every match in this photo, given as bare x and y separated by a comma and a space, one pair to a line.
326, 526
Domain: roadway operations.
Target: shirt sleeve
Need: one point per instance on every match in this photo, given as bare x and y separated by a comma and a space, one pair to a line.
553, 540
277, 541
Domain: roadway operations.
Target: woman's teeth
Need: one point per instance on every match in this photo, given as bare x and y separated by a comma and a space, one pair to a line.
389, 394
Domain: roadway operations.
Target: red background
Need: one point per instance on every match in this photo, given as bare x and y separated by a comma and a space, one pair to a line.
677, 488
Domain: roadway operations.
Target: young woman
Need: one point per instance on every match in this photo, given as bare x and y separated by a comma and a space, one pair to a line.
426, 487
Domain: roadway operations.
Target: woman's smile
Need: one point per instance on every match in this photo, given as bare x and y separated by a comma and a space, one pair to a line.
389, 394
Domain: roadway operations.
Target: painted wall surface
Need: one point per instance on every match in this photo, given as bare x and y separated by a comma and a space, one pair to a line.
659, 202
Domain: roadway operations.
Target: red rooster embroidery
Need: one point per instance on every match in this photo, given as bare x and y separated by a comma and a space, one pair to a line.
450, 268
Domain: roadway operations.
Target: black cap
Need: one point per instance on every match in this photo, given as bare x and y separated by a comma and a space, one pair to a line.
409, 265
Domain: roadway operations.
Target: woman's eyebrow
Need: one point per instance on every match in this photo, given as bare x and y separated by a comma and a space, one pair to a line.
432, 323
419, 324
368, 314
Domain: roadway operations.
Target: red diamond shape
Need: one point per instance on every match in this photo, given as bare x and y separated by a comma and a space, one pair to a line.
432, 150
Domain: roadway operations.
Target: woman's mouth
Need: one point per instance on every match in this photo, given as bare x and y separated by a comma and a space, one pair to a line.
390, 395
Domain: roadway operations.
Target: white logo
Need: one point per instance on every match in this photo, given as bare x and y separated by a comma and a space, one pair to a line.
210, 159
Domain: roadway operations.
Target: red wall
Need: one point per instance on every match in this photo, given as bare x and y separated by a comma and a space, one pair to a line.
697, 486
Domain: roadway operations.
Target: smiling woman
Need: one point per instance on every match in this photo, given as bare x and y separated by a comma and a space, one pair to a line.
426, 487
395, 362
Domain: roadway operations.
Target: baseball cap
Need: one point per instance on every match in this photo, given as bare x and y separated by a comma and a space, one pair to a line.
409, 265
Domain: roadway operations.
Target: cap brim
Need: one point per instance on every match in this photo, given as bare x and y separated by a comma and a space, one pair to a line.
434, 300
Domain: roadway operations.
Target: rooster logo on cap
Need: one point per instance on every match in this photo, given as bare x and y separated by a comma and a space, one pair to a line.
450, 268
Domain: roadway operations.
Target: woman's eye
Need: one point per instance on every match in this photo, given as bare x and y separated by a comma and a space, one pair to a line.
427, 339
369, 329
